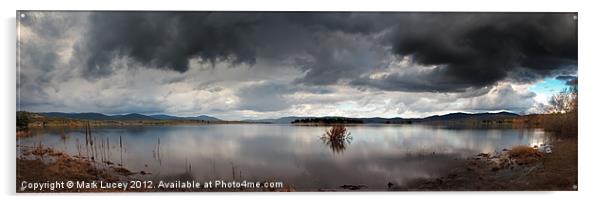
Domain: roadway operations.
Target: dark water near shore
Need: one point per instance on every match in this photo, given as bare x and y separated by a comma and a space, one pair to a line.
295, 155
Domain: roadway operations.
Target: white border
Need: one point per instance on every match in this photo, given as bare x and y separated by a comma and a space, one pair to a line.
589, 74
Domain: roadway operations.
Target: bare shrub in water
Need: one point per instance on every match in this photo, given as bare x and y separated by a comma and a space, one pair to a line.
337, 132
337, 137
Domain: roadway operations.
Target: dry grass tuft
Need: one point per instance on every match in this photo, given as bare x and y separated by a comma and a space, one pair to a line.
524, 151
524, 154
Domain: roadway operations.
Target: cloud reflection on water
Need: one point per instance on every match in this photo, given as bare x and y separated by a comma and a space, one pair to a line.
294, 154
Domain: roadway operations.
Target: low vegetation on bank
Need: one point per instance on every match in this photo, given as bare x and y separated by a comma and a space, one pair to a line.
551, 166
328, 121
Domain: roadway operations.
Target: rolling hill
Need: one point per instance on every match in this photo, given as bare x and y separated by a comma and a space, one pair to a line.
436, 118
286, 120
131, 116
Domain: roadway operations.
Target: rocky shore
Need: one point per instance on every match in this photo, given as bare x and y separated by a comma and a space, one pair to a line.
519, 168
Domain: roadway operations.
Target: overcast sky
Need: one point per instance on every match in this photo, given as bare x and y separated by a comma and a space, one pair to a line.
246, 65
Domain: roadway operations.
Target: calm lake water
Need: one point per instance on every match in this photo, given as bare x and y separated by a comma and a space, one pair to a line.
295, 155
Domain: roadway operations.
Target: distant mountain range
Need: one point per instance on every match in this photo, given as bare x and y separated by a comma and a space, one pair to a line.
470, 116
435, 118
285, 120
131, 116
169, 117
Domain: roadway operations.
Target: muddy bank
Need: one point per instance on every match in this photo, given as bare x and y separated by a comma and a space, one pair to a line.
42, 165
510, 170
51, 170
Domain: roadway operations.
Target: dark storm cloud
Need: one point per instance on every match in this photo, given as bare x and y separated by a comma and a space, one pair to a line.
434, 80
169, 39
42, 53
39, 60
165, 40
469, 49
270, 96
569, 80
340, 56
264, 97
479, 49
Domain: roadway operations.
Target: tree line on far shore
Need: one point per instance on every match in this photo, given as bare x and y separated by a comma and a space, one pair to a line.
333, 120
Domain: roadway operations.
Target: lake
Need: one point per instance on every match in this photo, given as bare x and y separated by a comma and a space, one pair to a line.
295, 155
